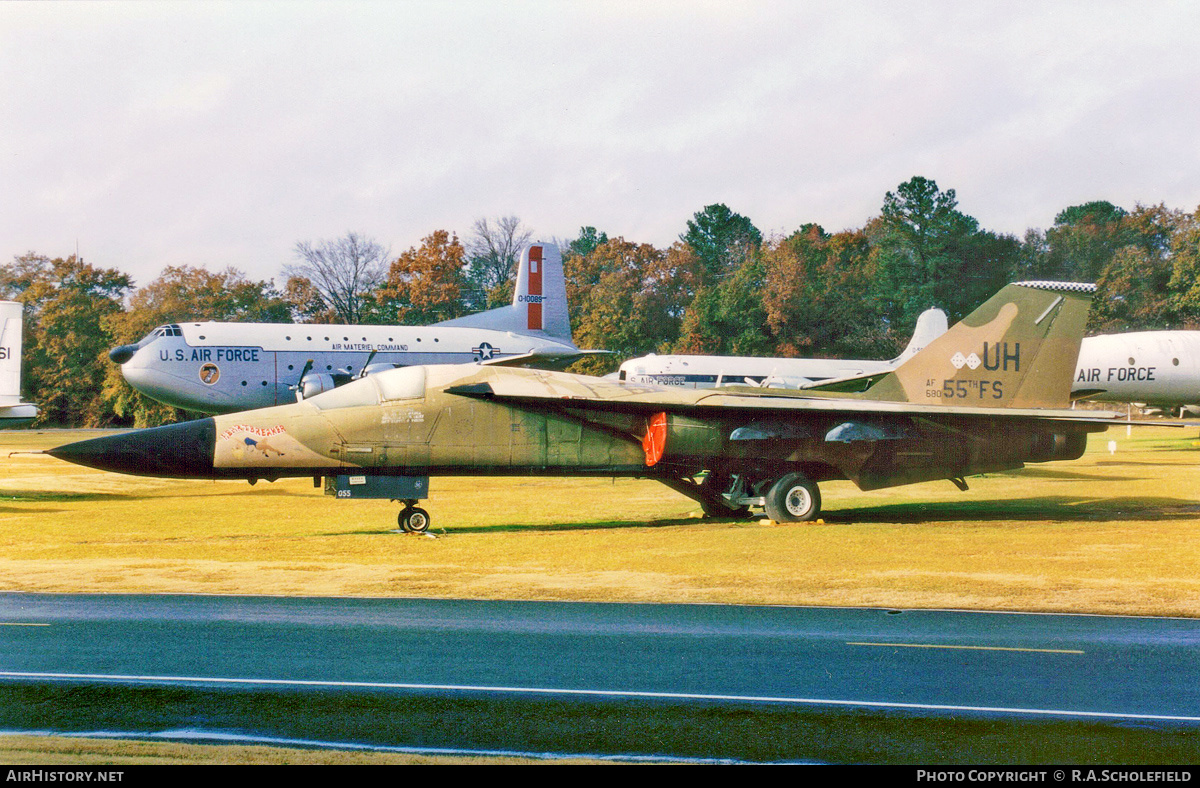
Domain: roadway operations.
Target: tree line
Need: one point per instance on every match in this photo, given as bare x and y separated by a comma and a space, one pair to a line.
721, 288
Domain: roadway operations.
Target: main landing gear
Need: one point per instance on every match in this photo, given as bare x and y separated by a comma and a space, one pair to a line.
412, 518
790, 498
793, 498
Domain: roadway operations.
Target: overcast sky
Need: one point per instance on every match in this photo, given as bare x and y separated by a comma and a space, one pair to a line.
214, 134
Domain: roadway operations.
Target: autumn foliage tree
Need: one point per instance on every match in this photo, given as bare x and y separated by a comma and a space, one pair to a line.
819, 298
1136, 277
426, 284
1184, 285
728, 318
627, 297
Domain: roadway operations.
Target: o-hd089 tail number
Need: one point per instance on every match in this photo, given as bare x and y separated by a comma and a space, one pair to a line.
965, 389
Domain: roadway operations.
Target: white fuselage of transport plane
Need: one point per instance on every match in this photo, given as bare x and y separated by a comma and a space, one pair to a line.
224, 367
794, 373
711, 371
1160, 368
1155, 368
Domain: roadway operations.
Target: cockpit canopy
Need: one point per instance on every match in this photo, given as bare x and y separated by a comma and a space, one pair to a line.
393, 385
172, 330
123, 353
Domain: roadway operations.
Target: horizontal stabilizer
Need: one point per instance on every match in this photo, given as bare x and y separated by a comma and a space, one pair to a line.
543, 359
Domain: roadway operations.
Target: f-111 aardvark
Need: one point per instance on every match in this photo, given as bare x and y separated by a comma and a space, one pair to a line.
988, 395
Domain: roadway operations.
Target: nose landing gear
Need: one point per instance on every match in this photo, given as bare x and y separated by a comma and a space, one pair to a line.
412, 518
405, 489
790, 498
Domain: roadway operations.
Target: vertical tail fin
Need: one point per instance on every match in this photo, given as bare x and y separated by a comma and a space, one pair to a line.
10, 351
539, 302
541, 292
1018, 350
930, 325
13, 412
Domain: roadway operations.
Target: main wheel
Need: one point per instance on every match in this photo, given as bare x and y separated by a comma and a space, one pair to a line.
717, 483
794, 498
413, 520
723, 512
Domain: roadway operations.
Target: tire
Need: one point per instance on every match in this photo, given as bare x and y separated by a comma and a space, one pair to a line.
717, 483
722, 512
414, 520
793, 499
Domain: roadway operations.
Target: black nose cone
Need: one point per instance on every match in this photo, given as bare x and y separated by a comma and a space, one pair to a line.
123, 353
183, 451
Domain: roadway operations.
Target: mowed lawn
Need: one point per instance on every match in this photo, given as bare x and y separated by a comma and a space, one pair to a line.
1114, 532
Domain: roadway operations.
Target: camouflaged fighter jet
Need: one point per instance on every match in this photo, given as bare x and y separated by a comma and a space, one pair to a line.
988, 395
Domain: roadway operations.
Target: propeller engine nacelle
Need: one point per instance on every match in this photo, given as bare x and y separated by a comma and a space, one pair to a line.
314, 383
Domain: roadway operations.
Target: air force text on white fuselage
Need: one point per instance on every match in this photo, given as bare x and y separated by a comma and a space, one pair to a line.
1157, 368
212, 354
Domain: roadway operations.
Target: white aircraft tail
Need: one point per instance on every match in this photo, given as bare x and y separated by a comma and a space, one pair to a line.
10, 352
930, 325
539, 303
13, 411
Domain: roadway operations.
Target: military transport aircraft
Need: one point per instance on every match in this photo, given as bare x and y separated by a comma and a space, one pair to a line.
1159, 369
988, 395
709, 371
226, 367
13, 411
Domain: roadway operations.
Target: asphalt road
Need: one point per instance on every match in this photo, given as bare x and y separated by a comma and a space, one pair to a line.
691, 681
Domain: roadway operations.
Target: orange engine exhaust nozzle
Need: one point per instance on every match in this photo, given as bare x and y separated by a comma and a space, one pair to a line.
655, 441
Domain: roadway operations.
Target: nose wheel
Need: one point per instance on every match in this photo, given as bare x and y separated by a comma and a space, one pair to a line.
413, 519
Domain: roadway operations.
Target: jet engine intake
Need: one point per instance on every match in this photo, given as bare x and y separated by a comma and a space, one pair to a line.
1045, 446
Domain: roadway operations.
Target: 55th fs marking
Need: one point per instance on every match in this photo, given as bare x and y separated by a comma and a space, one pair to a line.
965, 389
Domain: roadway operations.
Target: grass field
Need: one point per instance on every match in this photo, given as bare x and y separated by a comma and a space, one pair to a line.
20, 750
1110, 533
